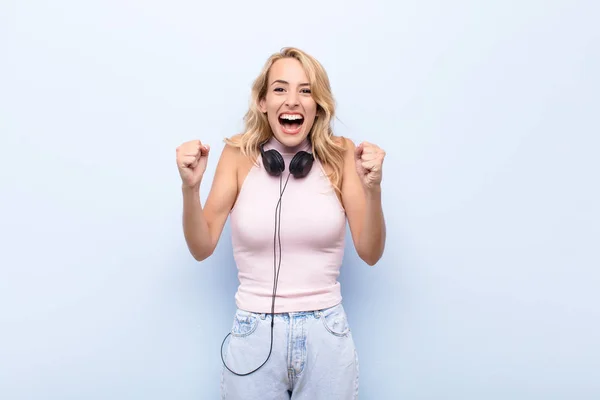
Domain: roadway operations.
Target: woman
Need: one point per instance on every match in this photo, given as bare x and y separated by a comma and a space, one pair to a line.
289, 186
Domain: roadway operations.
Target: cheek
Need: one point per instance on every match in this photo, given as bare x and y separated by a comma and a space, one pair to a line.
271, 109
311, 107
273, 120
271, 102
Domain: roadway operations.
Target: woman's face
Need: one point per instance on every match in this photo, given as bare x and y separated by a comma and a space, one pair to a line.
288, 103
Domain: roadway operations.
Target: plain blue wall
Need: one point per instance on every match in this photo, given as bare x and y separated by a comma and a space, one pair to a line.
488, 112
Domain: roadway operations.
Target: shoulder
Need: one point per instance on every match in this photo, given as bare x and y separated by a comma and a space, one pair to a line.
347, 148
338, 155
345, 143
229, 158
237, 159
350, 182
233, 147
234, 142
239, 145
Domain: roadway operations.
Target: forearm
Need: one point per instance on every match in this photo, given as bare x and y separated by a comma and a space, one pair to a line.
371, 242
195, 226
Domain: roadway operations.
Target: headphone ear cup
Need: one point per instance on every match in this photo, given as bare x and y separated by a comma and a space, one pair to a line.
301, 164
273, 162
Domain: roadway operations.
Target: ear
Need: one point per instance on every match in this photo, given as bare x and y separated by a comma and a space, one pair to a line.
262, 105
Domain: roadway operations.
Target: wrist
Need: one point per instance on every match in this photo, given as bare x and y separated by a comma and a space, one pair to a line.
194, 189
373, 191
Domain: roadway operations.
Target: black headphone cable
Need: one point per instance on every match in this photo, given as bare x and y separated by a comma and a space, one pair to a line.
276, 269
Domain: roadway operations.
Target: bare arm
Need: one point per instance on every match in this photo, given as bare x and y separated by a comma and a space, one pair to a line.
202, 227
363, 209
371, 240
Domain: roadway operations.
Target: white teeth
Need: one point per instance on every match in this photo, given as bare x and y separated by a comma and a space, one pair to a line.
291, 117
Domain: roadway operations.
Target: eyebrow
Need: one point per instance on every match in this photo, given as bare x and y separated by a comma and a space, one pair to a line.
287, 83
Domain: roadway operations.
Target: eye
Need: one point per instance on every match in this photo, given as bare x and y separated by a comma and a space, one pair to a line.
307, 91
278, 89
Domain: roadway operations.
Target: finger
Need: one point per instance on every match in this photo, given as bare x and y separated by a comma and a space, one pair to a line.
371, 149
204, 150
191, 151
370, 165
358, 151
189, 146
369, 156
187, 161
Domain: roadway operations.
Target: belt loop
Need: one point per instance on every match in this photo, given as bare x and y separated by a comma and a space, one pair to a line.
317, 314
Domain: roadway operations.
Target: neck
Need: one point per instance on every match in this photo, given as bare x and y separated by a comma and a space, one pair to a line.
273, 143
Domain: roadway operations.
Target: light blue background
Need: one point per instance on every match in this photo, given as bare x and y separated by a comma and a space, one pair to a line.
488, 111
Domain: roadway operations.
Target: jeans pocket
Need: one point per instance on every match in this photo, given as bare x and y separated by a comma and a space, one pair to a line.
244, 323
335, 321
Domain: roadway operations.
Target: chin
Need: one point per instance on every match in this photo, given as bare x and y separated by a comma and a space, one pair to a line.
290, 140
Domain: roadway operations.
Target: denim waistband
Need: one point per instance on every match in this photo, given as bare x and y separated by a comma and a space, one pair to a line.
313, 313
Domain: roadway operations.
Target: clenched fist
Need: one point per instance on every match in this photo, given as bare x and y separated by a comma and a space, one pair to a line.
369, 159
191, 162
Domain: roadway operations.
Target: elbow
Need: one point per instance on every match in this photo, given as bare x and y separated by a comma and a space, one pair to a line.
200, 249
370, 249
201, 254
370, 258
371, 261
371, 255
200, 257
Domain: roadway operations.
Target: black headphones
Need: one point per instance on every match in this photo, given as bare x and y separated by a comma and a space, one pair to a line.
299, 166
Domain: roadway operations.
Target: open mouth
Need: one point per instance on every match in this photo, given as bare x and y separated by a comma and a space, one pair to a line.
291, 123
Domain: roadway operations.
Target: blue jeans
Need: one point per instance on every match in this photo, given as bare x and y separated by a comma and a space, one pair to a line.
313, 357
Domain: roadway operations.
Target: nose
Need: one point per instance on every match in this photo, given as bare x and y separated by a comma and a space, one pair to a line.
292, 99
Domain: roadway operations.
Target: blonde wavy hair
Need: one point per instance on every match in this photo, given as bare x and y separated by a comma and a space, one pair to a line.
256, 125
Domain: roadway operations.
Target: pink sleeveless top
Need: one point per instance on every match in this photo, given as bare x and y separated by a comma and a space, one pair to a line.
313, 227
